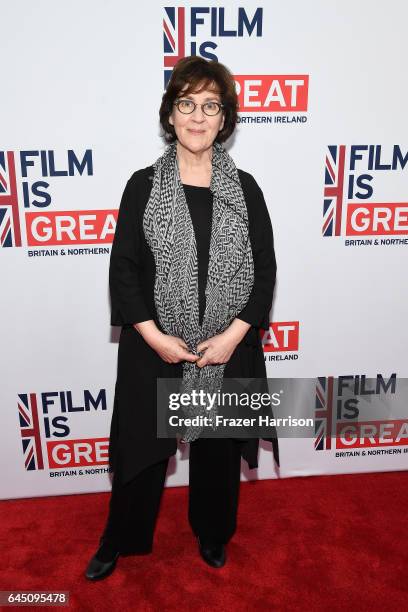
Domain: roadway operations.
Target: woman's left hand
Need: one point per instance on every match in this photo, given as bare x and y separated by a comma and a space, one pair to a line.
219, 348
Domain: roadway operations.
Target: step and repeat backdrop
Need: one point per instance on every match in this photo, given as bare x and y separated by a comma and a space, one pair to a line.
322, 127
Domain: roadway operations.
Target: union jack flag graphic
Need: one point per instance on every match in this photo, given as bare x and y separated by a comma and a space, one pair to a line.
333, 190
30, 431
10, 234
323, 413
174, 42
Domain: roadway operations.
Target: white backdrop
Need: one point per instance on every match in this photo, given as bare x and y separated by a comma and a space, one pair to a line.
83, 82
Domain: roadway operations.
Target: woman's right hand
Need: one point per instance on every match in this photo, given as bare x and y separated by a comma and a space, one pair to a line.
170, 348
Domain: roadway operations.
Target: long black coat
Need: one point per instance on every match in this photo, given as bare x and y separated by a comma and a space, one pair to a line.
133, 441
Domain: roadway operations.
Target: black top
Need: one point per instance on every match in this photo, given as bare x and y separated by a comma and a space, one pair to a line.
200, 204
133, 443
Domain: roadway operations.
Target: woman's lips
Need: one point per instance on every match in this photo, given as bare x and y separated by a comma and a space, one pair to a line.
196, 131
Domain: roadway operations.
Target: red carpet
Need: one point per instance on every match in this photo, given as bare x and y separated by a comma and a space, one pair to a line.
316, 543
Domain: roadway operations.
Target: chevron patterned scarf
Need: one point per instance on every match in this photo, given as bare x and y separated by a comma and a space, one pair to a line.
170, 234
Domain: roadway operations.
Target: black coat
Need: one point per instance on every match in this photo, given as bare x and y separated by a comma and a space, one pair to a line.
133, 441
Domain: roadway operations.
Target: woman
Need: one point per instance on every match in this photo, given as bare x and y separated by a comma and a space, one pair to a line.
192, 274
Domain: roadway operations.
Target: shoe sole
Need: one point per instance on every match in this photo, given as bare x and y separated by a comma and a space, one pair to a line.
211, 564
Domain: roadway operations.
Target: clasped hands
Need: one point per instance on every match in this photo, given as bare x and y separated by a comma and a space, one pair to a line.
216, 350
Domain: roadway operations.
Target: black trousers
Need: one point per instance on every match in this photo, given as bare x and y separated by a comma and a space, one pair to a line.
214, 482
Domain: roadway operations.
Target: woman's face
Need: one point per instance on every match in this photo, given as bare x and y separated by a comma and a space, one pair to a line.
197, 131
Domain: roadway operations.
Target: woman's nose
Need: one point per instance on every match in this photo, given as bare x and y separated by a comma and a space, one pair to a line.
198, 113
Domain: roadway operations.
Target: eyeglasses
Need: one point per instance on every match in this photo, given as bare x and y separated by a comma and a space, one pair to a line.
188, 106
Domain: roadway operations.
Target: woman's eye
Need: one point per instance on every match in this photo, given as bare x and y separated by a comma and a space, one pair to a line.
211, 105
186, 103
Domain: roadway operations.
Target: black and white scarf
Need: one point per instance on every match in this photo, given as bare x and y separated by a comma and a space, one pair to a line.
170, 234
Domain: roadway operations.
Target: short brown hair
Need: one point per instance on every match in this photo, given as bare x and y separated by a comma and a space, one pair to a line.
194, 70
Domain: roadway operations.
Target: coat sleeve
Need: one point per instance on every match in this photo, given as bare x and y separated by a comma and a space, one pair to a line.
256, 311
128, 305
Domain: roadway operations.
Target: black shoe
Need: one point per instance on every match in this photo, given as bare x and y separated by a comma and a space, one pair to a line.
98, 569
212, 554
